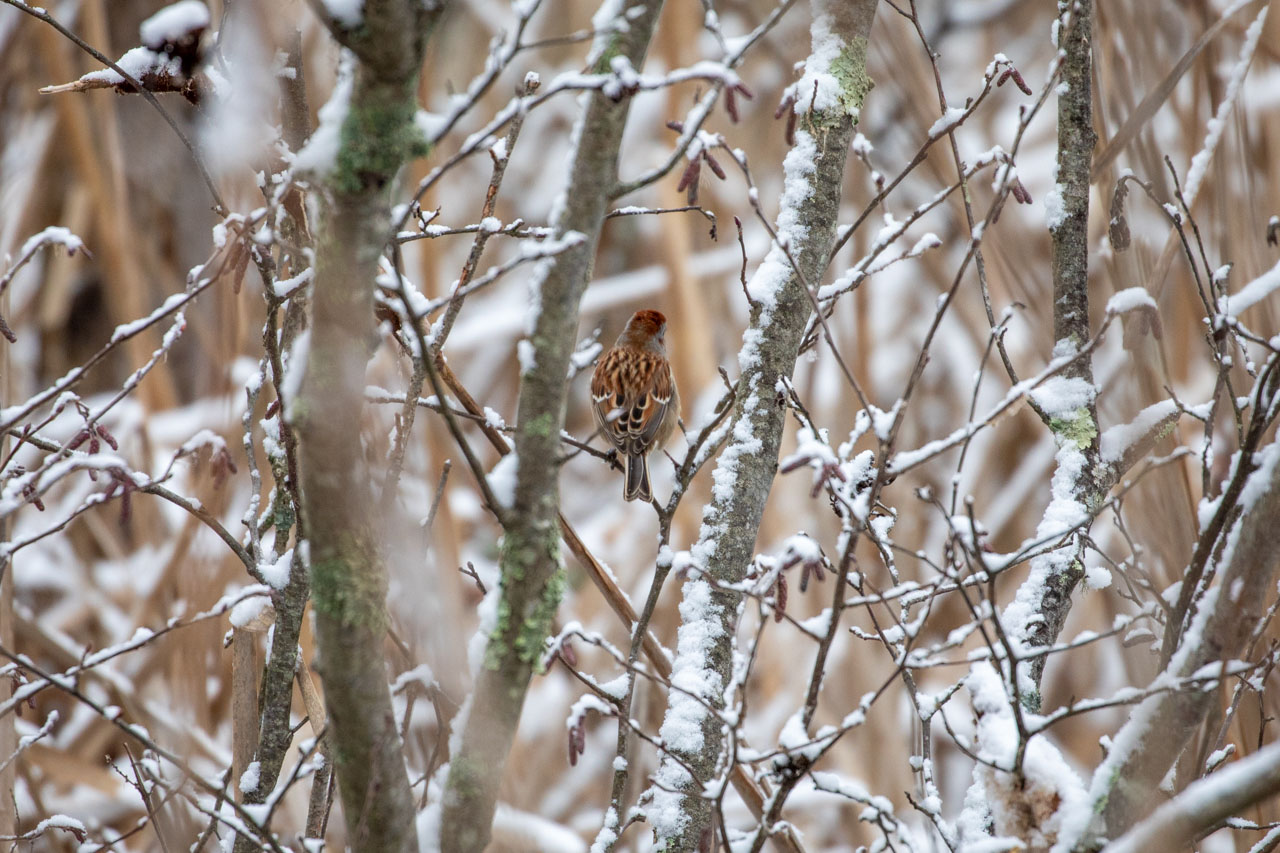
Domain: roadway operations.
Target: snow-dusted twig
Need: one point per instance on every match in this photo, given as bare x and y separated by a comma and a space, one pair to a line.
27, 740
1006, 181
42, 14
52, 236
425, 360
1206, 802
12, 416
425, 352
247, 822
745, 470
141, 638
532, 575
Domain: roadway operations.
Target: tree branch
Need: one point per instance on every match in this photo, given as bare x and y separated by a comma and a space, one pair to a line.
1040, 608
347, 572
680, 814
532, 574
1152, 739
1207, 802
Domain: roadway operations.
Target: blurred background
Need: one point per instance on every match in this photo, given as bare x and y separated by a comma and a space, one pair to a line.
107, 167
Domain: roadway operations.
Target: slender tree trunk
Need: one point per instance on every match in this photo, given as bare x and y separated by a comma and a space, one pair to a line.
348, 576
532, 573
1206, 804
1043, 602
1125, 785
814, 173
273, 731
1076, 141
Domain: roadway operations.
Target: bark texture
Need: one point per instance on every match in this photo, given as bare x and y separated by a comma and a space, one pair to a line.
1126, 784
348, 577
1204, 806
1057, 575
1076, 141
531, 568
681, 816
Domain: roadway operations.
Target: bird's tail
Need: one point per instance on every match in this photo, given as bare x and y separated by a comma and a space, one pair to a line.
637, 485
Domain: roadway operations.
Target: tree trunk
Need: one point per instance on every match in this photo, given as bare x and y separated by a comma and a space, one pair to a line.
348, 576
532, 575
814, 168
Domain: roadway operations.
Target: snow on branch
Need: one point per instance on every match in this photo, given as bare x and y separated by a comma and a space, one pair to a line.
52, 236
1022, 787
1252, 293
1218, 124
781, 295
1205, 803
1125, 782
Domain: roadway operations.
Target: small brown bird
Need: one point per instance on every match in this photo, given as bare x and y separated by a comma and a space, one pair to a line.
634, 398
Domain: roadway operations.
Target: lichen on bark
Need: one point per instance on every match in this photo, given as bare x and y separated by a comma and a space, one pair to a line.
681, 814
532, 576
850, 70
349, 581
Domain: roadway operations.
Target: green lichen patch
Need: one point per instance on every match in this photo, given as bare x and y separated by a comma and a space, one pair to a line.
1078, 428
537, 626
543, 426
1100, 805
494, 648
377, 138
850, 70
604, 65
350, 586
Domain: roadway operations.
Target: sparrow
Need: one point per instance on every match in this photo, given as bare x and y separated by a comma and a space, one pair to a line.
634, 398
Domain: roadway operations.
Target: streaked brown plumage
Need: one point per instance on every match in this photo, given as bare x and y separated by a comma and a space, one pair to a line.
634, 398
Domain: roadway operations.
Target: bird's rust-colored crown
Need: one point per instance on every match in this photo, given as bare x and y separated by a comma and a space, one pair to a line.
647, 320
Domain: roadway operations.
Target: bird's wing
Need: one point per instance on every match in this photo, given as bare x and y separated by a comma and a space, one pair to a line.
655, 409
630, 397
